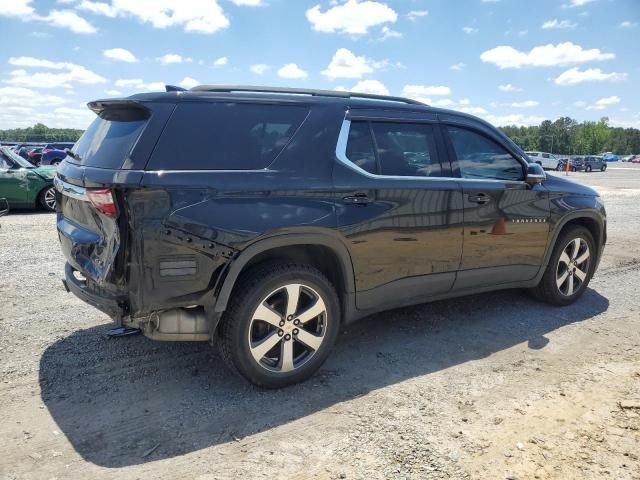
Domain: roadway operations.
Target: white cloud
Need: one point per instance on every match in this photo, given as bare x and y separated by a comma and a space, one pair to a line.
509, 88
422, 91
260, 68
354, 17
628, 24
576, 3
513, 119
473, 110
219, 62
120, 54
555, 23
248, 3
200, 16
21, 107
113, 93
188, 82
525, 104
389, 33
415, 14
16, 8
70, 73
574, 76
293, 71
458, 67
469, 30
567, 53
68, 19
604, 103
346, 64
370, 86
173, 58
139, 84
580, 104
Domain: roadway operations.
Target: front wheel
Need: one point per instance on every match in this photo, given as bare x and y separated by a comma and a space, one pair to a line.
588, 169
280, 324
47, 199
559, 168
570, 268
604, 167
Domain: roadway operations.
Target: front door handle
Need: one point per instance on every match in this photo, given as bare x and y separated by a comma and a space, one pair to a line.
480, 198
357, 199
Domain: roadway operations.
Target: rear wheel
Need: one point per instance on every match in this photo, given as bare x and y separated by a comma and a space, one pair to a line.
559, 168
588, 169
47, 199
574, 169
604, 167
280, 324
570, 268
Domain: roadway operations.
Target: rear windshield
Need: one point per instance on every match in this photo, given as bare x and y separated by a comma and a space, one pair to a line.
108, 140
225, 136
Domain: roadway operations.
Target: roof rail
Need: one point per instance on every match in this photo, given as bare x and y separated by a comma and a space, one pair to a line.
302, 91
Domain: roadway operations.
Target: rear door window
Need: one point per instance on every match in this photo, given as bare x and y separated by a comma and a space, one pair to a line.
225, 136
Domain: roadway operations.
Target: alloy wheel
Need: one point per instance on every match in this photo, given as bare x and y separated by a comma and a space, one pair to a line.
287, 328
50, 199
573, 266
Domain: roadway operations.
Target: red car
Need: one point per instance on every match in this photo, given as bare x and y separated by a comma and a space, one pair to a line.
635, 159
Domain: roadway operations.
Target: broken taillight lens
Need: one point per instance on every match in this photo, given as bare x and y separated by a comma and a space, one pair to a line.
102, 200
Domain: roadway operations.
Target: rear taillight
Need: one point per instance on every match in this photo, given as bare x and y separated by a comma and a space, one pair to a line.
102, 200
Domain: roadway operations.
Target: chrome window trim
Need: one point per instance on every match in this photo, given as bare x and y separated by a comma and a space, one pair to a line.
341, 155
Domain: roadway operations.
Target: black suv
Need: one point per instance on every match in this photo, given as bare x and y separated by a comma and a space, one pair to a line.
268, 218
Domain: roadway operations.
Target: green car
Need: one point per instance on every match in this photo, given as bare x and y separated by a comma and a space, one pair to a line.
23, 185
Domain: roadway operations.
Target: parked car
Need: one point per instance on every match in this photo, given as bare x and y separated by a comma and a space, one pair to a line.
52, 157
268, 218
24, 185
592, 163
610, 157
57, 146
562, 163
635, 159
576, 165
34, 155
548, 161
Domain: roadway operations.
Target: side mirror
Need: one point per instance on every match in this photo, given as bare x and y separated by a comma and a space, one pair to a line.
535, 174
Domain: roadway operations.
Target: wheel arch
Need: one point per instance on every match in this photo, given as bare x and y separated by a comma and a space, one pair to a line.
324, 252
591, 220
40, 191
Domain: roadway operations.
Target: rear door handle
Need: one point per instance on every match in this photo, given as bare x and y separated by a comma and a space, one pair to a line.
357, 199
480, 198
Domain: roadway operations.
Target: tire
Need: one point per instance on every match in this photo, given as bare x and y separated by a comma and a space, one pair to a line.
588, 169
604, 167
557, 288
573, 169
55, 163
558, 168
47, 199
287, 360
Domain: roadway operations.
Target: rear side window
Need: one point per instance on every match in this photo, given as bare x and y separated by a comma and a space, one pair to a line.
479, 157
400, 149
109, 139
406, 149
224, 136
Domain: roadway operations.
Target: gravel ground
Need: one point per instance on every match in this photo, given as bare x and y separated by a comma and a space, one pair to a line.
491, 386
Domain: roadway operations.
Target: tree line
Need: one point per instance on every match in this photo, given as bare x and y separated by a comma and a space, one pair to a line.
40, 133
566, 136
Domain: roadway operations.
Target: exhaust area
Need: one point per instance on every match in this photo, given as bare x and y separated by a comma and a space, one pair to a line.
178, 324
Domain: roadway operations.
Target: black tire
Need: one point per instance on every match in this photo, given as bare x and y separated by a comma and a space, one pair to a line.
604, 167
588, 169
55, 163
558, 168
250, 291
547, 290
573, 169
44, 198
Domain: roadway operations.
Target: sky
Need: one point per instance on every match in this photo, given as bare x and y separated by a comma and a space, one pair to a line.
507, 61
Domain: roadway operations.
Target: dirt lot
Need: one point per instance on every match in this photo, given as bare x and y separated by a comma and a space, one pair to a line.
493, 386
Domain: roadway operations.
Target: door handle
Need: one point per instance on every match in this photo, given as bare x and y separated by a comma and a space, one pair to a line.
480, 198
357, 199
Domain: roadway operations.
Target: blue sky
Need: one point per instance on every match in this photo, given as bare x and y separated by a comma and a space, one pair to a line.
508, 61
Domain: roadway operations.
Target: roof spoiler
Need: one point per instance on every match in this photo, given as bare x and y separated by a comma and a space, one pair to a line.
174, 88
119, 109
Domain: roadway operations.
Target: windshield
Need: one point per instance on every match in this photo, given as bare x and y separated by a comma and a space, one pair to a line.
6, 152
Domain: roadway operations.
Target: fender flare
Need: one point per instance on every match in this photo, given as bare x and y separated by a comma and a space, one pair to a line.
284, 240
577, 214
